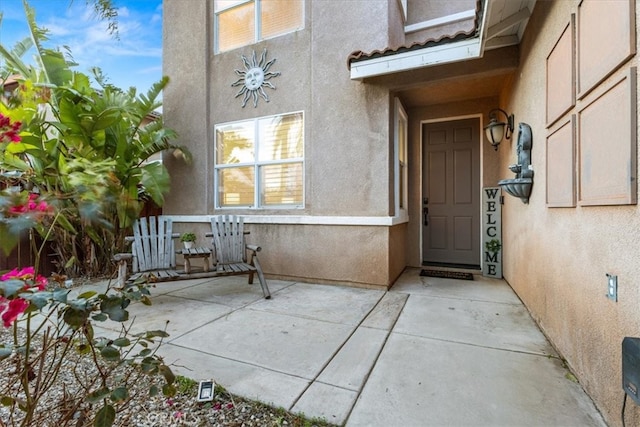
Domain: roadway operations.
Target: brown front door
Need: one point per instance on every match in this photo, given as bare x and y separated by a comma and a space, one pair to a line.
451, 193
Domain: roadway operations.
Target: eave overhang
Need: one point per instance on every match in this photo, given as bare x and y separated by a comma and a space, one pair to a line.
448, 49
436, 55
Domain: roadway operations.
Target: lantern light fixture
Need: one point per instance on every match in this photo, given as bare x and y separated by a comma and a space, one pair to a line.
495, 130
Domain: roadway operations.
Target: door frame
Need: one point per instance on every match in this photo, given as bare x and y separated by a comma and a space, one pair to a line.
480, 117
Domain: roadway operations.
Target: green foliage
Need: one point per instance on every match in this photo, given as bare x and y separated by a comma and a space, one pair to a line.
75, 170
187, 386
49, 341
89, 148
188, 237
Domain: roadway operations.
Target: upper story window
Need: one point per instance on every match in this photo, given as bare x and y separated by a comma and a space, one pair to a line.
259, 163
245, 22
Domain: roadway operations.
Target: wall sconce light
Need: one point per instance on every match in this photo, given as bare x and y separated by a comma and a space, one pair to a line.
495, 130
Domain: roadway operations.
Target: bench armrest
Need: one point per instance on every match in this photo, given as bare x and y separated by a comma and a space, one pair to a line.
122, 257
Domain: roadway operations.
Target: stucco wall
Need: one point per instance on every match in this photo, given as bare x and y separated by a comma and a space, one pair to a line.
556, 258
397, 251
354, 256
396, 24
348, 148
185, 102
420, 11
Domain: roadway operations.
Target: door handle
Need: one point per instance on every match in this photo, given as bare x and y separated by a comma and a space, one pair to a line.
425, 215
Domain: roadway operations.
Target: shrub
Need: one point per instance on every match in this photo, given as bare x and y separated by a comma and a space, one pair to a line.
86, 146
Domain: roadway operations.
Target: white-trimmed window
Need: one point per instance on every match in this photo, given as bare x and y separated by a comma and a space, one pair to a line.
259, 163
401, 123
244, 22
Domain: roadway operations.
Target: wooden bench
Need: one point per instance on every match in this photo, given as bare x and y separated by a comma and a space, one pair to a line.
153, 253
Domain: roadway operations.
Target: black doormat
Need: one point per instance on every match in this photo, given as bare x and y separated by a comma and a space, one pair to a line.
447, 274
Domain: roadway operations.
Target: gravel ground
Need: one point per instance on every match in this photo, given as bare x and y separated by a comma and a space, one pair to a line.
140, 409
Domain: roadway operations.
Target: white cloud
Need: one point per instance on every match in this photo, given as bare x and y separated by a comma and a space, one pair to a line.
137, 52
123, 12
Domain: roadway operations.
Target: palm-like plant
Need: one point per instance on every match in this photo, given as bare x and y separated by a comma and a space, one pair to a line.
87, 148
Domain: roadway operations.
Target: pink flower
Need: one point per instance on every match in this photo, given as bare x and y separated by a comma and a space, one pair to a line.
10, 309
8, 130
41, 282
23, 274
177, 414
32, 205
14, 309
18, 209
27, 275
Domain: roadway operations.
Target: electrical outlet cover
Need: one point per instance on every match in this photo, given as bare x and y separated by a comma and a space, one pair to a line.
612, 287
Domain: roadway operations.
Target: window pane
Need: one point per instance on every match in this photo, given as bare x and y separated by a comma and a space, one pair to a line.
281, 184
281, 137
280, 16
236, 27
236, 186
235, 143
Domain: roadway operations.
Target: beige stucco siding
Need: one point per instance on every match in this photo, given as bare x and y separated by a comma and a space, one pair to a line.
352, 255
397, 256
348, 152
556, 258
346, 123
185, 103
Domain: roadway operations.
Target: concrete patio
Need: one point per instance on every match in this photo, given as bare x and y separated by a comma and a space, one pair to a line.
429, 352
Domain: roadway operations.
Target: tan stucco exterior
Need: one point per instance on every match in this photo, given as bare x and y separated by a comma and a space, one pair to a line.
348, 231
346, 127
556, 258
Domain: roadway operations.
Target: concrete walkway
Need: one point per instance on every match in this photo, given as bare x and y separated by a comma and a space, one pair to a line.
429, 352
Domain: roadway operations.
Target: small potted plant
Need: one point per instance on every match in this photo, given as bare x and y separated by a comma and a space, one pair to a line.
188, 239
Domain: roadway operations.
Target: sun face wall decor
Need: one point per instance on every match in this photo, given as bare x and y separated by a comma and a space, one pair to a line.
254, 78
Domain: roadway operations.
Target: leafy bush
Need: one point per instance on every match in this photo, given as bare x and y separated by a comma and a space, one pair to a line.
86, 150
74, 170
55, 327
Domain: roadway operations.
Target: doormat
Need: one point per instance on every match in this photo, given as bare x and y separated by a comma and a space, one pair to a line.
447, 274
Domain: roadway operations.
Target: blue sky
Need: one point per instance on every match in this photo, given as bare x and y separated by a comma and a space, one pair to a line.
133, 60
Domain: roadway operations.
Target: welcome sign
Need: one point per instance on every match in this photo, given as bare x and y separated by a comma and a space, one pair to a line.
492, 232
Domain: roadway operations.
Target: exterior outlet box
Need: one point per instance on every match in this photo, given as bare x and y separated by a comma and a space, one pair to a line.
612, 287
631, 367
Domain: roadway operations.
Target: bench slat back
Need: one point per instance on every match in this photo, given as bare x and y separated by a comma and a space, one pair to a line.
228, 238
153, 246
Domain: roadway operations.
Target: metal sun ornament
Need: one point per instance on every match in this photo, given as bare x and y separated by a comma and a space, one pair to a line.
254, 78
